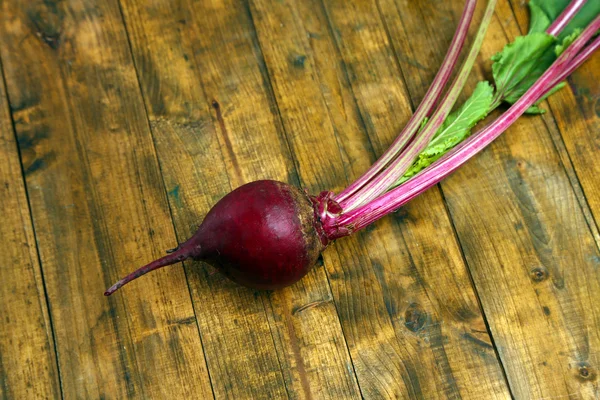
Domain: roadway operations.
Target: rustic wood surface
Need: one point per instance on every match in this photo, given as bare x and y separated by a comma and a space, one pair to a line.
123, 121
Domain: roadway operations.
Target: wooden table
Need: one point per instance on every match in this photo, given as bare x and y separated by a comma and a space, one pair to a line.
122, 122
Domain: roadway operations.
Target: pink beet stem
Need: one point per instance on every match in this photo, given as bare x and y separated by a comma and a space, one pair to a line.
182, 253
395, 198
379, 176
425, 107
565, 17
578, 60
382, 182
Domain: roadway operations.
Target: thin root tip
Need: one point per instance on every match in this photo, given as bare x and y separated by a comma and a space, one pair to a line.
112, 289
177, 255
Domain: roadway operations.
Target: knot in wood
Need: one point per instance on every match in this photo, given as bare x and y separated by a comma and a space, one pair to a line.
538, 274
585, 372
414, 318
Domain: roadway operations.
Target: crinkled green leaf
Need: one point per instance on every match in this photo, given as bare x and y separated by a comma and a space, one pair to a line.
527, 79
566, 42
455, 128
520, 63
552, 8
459, 123
539, 20
420, 164
542, 64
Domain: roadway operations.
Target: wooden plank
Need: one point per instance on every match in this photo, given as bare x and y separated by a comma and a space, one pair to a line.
256, 344
404, 296
98, 203
28, 366
530, 252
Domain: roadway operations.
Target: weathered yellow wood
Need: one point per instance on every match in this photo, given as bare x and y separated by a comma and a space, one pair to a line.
98, 203
28, 366
308, 92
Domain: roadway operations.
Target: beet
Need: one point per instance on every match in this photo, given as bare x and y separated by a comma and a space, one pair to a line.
268, 234
263, 235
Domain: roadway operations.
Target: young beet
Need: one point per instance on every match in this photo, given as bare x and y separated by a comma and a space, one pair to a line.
262, 235
268, 234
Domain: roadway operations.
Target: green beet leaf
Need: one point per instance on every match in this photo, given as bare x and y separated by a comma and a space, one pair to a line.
521, 63
455, 128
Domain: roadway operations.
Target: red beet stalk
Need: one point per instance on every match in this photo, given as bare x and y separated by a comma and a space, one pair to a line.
567, 62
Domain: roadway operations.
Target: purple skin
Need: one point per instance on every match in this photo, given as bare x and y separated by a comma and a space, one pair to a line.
263, 235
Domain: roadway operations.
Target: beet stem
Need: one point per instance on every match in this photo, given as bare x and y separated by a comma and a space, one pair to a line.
381, 183
570, 59
565, 17
425, 108
182, 253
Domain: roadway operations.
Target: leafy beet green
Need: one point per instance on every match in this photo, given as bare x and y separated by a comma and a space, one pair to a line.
455, 128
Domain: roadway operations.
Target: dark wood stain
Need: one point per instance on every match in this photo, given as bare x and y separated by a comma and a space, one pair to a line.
27, 142
47, 19
389, 301
464, 313
438, 342
477, 341
151, 83
546, 310
229, 147
6, 392
297, 356
186, 321
411, 378
40, 163
298, 60
585, 373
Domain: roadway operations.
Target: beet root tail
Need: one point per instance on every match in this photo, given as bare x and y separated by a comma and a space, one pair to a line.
182, 253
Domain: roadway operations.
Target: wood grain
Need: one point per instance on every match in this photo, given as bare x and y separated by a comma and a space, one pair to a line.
515, 211
28, 366
391, 313
98, 203
252, 340
123, 122
574, 122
